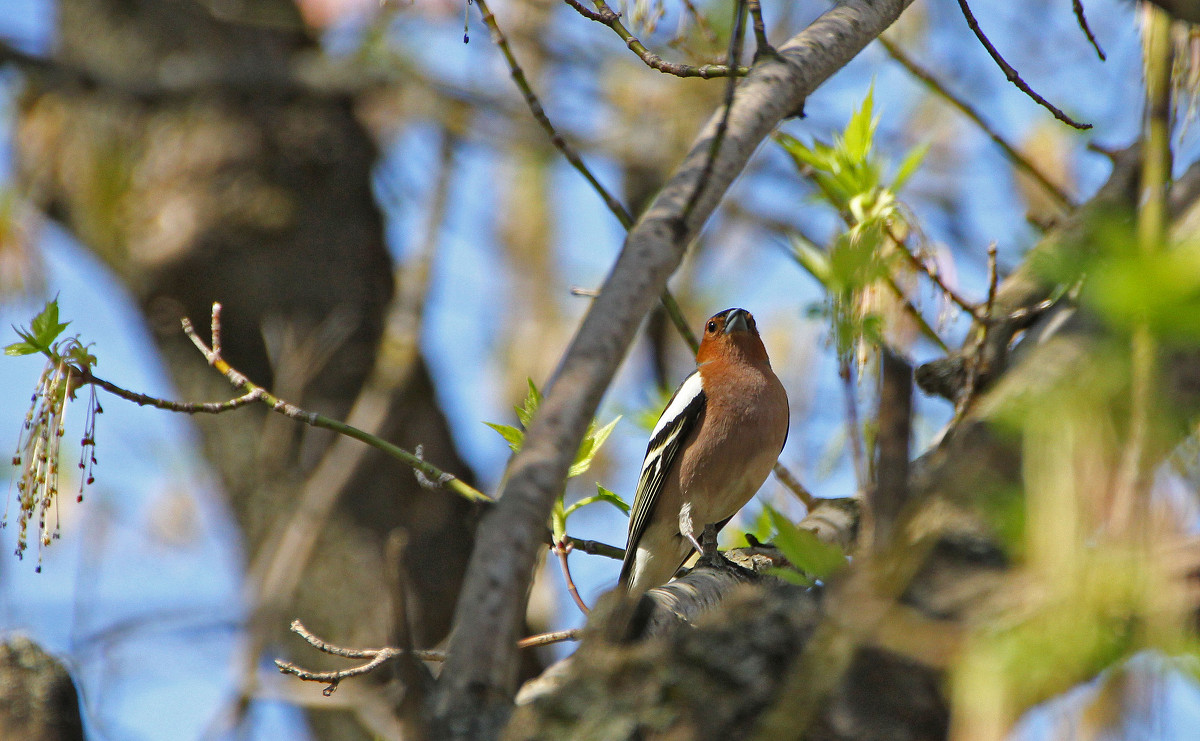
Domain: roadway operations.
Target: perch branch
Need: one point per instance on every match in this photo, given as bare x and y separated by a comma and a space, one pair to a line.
240, 381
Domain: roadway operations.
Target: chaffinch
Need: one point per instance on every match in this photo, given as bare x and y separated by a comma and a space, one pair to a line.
711, 449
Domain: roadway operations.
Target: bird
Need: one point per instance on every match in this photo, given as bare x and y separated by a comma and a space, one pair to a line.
714, 445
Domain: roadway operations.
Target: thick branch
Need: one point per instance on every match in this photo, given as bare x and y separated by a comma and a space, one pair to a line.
478, 682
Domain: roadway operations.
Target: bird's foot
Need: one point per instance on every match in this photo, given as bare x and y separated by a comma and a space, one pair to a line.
708, 547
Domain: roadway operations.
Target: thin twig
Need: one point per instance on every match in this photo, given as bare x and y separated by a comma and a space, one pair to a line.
561, 550
792, 484
239, 380
183, 407
1077, 6
993, 281
377, 657
974, 356
545, 639
596, 548
539, 113
606, 15
733, 57
676, 316
762, 44
1020, 161
1011, 73
853, 431
933, 275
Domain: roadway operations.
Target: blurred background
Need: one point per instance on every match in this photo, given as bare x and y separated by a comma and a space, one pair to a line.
340, 173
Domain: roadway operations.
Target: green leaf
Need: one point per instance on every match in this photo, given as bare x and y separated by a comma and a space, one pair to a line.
533, 399
612, 498
803, 549
861, 130
912, 160
803, 155
17, 349
590, 446
603, 433
45, 327
514, 436
601, 495
812, 258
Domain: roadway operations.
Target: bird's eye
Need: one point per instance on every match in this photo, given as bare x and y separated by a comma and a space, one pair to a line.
712, 326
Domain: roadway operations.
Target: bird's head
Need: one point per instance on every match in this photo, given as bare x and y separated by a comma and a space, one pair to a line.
731, 333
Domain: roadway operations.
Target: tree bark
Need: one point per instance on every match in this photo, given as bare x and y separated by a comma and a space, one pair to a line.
38, 701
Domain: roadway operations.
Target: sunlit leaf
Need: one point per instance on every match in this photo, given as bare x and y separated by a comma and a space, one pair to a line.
601, 495
908, 166
803, 549
45, 327
514, 436
813, 259
861, 129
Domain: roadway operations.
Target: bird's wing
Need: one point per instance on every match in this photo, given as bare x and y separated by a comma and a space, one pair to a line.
677, 421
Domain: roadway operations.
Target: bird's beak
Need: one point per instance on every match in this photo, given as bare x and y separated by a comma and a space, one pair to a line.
735, 321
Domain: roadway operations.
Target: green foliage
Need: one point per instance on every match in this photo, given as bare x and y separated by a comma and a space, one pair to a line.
41, 333
593, 440
810, 558
515, 436
862, 259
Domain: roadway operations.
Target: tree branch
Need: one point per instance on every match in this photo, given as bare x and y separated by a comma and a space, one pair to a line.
607, 16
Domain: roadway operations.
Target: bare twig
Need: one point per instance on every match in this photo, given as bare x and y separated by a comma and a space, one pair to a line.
561, 550
596, 548
853, 431
183, 407
377, 657
539, 113
733, 57
792, 484
239, 380
535, 106
933, 275
606, 15
1020, 161
976, 353
545, 639
993, 280
1013, 76
1077, 6
762, 45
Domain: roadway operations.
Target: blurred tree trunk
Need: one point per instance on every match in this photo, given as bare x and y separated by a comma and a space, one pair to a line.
38, 701
186, 157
